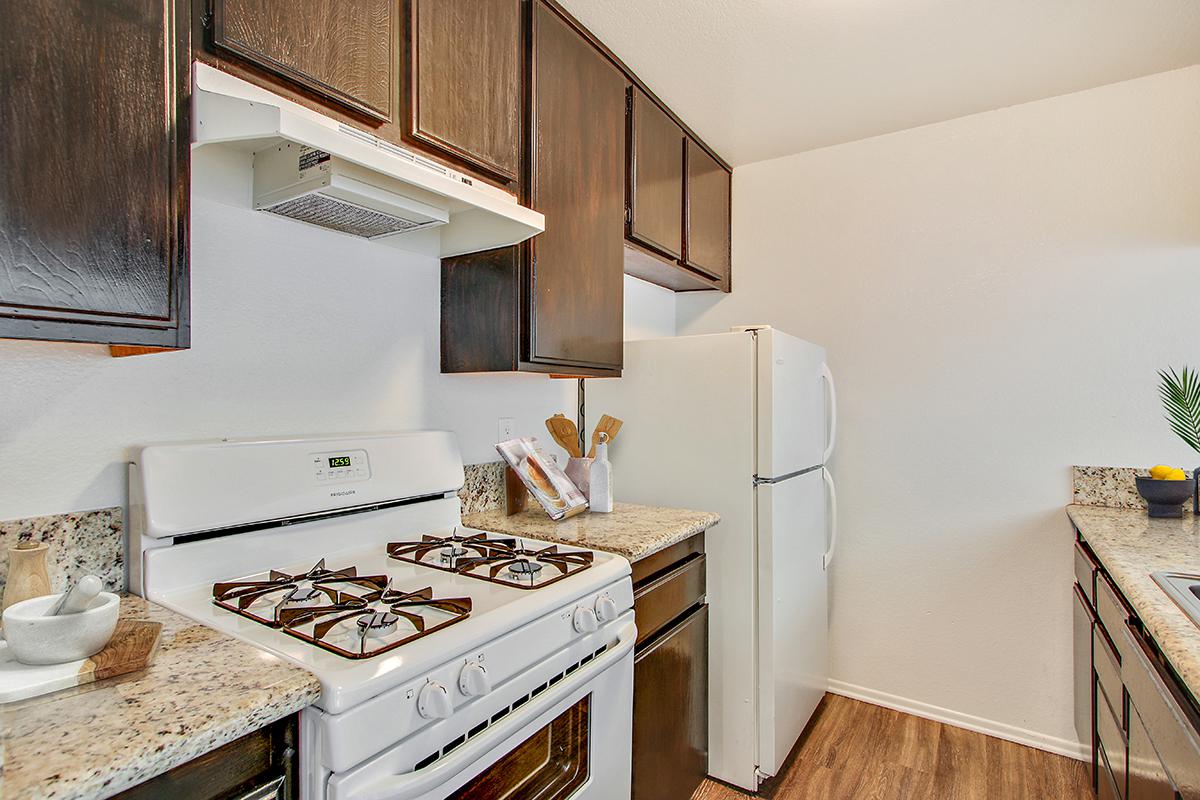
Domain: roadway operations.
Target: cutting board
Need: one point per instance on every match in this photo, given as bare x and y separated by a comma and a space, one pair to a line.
131, 648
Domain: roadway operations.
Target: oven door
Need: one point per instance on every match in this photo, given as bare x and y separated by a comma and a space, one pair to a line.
572, 740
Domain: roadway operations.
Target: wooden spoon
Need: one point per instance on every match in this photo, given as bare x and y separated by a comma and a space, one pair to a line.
607, 424
565, 433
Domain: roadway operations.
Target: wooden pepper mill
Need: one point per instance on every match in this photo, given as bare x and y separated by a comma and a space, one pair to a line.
27, 576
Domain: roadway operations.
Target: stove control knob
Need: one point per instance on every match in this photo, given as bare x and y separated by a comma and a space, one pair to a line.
434, 701
606, 608
473, 681
584, 620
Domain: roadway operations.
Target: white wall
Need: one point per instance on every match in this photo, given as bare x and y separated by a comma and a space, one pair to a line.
649, 310
295, 330
996, 294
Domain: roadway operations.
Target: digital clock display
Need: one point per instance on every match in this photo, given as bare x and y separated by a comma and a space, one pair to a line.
339, 461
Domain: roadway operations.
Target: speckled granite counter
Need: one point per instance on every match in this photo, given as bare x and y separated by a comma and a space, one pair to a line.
1131, 546
204, 689
631, 530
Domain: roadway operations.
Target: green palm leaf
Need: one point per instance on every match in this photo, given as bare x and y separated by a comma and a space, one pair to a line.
1180, 394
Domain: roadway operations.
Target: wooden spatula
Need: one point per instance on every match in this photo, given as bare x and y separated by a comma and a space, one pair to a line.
565, 433
607, 424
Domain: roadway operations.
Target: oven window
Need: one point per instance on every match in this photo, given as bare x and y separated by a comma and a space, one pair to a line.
550, 765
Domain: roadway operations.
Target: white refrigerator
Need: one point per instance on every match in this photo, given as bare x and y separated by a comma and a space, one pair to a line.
741, 423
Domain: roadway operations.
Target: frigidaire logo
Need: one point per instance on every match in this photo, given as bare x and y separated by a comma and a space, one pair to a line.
342, 493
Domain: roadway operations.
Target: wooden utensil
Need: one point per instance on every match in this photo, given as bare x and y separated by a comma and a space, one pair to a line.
607, 424
565, 433
27, 576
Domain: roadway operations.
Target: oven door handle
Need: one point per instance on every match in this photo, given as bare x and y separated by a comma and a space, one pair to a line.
415, 784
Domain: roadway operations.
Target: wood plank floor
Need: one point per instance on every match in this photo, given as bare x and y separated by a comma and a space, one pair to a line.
856, 751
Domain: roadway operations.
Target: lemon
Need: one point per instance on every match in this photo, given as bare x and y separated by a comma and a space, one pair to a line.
1161, 472
1177, 475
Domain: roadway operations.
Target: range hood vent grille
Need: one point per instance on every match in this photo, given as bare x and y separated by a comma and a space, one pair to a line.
330, 212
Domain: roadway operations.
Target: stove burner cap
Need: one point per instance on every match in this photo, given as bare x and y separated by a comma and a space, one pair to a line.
451, 553
379, 623
303, 596
524, 568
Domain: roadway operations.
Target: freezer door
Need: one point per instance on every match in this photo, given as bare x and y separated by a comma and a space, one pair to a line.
791, 404
793, 624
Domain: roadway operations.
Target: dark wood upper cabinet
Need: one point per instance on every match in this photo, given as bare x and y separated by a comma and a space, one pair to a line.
655, 183
342, 50
464, 80
577, 181
554, 304
706, 215
94, 158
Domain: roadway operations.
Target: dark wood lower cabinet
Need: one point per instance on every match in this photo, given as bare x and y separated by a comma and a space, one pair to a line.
263, 765
670, 673
1145, 736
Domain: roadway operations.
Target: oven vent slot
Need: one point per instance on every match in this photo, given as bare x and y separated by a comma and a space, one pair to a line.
450, 746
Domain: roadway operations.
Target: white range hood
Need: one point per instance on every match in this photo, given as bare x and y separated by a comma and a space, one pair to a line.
316, 170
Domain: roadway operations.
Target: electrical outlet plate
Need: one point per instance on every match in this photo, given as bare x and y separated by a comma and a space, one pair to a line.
505, 429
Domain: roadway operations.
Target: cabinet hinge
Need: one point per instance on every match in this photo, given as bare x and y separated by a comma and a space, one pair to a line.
206, 19
628, 215
629, 102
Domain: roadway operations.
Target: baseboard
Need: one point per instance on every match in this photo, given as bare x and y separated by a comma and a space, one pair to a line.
1000, 730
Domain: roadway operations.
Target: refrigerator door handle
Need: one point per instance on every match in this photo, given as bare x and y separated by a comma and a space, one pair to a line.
827, 559
832, 434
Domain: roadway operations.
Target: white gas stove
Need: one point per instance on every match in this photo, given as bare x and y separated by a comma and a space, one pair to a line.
447, 656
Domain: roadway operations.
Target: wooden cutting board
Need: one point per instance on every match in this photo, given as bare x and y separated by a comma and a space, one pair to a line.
131, 648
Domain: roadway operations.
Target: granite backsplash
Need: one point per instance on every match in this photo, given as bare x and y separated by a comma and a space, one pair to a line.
483, 488
80, 543
1113, 487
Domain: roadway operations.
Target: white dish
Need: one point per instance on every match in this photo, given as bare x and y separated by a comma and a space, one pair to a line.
36, 639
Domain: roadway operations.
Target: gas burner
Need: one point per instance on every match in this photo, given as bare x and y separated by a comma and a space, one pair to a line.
447, 551
306, 596
377, 624
355, 616
523, 568
450, 553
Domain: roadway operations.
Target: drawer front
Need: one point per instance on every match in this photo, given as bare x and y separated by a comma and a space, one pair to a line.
1112, 742
1106, 788
1148, 780
1108, 673
1085, 573
1083, 627
1111, 612
1174, 738
666, 597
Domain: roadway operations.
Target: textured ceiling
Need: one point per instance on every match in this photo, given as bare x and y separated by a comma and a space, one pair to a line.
765, 78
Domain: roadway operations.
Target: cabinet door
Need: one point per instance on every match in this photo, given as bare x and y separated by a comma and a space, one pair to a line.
578, 169
342, 50
670, 711
94, 159
1148, 779
655, 183
706, 235
1085, 691
465, 80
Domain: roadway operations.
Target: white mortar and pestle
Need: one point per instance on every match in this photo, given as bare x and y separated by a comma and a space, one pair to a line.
57, 628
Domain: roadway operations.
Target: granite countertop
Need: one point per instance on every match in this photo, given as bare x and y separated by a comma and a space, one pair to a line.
1131, 546
630, 530
204, 689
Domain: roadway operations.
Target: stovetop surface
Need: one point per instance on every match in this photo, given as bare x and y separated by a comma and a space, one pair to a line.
495, 608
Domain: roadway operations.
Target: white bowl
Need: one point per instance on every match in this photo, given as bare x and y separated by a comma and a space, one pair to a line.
35, 638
